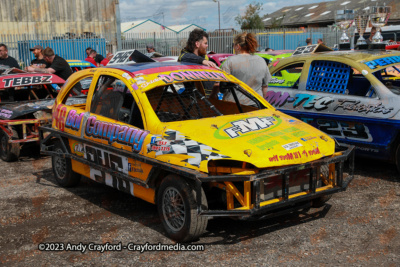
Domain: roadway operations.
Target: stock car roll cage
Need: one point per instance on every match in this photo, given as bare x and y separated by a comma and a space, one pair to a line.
252, 183
195, 93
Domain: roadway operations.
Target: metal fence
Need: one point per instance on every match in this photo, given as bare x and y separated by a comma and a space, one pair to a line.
168, 44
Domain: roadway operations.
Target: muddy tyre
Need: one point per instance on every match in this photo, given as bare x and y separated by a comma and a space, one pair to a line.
9, 151
62, 168
319, 202
176, 204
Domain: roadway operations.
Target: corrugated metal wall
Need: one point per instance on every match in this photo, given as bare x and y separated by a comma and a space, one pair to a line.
57, 16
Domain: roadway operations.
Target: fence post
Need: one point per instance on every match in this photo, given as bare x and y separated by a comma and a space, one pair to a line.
118, 21
284, 39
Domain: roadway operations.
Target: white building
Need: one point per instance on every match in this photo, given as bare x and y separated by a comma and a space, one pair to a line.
144, 26
184, 28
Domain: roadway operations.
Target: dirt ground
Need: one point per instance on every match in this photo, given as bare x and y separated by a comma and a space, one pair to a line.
360, 226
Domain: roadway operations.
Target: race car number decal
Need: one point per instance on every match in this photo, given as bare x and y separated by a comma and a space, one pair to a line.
22, 81
121, 57
304, 49
345, 130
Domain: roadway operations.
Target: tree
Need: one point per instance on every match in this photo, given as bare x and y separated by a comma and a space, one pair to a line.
251, 18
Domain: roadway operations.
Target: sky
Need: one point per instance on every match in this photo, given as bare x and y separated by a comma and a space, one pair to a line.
203, 13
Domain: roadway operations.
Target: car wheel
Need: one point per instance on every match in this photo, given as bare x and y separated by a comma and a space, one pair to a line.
319, 202
62, 168
9, 151
176, 204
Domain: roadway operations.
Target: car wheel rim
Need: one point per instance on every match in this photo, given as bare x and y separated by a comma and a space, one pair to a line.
173, 209
60, 165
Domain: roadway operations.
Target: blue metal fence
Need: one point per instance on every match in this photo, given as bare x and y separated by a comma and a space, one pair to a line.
65, 48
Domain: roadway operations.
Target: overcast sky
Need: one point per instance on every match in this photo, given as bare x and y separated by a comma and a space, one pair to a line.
201, 12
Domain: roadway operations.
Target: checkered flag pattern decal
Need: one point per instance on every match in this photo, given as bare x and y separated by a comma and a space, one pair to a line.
176, 143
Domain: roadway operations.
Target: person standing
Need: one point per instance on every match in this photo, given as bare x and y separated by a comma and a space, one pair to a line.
196, 49
7, 60
91, 56
247, 67
57, 65
39, 61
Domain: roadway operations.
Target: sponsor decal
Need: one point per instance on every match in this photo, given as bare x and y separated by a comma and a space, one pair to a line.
145, 84
175, 142
308, 101
113, 132
292, 145
5, 113
381, 62
354, 105
191, 75
136, 166
78, 149
295, 155
74, 120
246, 127
27, 80
308, 138
276, 80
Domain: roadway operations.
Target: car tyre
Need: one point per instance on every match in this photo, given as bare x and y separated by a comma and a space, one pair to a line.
398, 158
319, 202
62, 168
177, 208
9, 151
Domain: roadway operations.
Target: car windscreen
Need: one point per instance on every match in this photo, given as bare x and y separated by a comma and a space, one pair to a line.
187, 101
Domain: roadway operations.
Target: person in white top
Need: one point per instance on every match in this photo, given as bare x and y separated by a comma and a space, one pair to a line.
247, 67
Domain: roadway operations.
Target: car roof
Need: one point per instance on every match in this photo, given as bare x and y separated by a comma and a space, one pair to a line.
355, 56
275, 52
10, 80
365, 55
156, 67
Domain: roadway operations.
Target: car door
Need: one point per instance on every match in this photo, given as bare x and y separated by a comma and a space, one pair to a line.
336, 98
114, 126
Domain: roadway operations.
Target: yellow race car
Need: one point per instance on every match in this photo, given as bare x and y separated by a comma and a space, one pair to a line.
192, 156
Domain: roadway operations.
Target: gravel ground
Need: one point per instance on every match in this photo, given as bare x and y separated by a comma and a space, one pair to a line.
357, 227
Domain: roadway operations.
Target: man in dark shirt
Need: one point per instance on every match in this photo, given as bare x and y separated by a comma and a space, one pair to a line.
196, 52
39, 61
7, 60
57, 65
196, 49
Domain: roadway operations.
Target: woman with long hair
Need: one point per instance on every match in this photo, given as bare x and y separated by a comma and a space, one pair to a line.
247, 67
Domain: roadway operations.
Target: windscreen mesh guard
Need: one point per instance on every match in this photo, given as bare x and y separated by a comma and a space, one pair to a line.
328, 76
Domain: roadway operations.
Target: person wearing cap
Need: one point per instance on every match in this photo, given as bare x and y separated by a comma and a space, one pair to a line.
57, 65
150, 50
7, 60
39, 61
